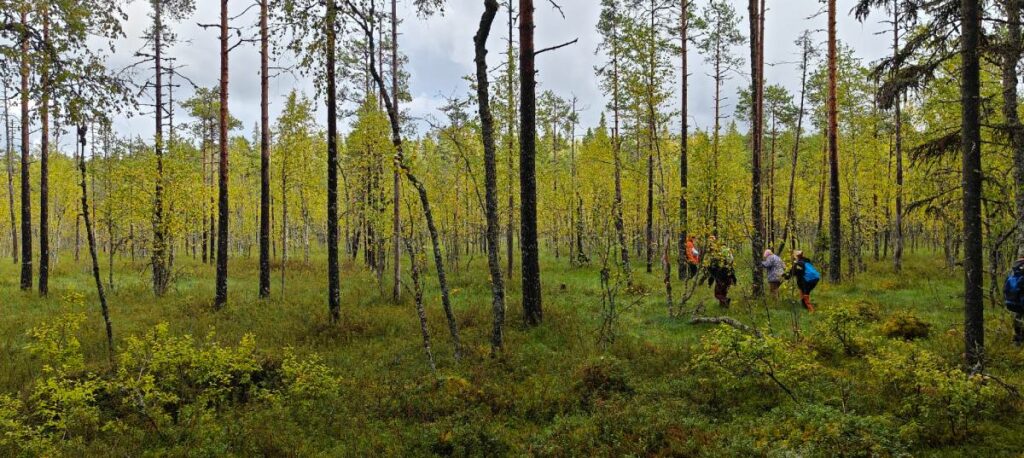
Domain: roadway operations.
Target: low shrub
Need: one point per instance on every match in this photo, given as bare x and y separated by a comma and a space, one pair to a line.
902, 325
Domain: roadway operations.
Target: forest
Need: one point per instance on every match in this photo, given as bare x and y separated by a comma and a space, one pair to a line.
713, 252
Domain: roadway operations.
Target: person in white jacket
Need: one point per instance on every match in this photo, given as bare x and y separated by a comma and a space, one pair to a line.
776, 269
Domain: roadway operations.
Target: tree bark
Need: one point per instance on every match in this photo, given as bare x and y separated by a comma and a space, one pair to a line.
897, 256
92, 247
620, 224
265, 213
333, 271
1015, 131
223, 212
396, 218
26, 187
684, 227
756, 140
161, 276
835, 224
10, 179
970, 100
490, 173
44, 164
790, 201
532, 308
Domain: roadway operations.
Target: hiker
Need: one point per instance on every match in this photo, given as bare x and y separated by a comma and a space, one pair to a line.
721, 272
1013, 295
692, 257
806, 275
776, 269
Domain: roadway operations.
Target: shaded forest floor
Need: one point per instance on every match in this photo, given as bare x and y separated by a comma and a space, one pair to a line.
845, 384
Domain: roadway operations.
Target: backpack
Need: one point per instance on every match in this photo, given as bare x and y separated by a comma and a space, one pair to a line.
811, 274
1013, 290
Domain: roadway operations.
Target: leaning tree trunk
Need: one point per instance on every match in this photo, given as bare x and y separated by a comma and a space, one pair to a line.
223, 212
435, 239
490, 172
835, 229
970, 100
92, 246
532, 309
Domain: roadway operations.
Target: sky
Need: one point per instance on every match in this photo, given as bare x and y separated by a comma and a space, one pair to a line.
440, 53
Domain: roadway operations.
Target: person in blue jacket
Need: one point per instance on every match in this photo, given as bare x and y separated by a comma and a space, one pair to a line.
806, 275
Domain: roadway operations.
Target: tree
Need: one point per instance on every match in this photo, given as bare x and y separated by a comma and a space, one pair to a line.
264, 285
529, 250
835, 223
609, 25
1015, 130
970, 146
756, 141
157, 34
44, 160
9, 155
684, 136
490, 172
396, 218
223, 212
26, 189
807, 52
365, 20
716, 43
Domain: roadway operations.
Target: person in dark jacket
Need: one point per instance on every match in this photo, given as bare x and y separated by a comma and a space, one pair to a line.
799, 270
721, 271
1018, 318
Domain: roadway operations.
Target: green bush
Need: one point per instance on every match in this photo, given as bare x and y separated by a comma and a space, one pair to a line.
821, 431
902, 325
937, 403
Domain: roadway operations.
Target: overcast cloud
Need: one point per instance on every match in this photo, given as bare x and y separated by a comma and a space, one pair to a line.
440, 53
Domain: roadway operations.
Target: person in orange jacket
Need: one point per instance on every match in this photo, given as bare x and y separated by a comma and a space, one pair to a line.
692, 257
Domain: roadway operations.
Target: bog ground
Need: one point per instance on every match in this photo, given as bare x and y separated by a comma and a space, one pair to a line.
663, 387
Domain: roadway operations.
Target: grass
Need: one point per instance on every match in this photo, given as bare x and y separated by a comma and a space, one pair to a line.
532, 400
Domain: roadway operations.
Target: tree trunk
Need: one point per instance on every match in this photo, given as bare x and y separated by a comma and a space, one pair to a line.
835, 229
44, 165
897, 256
396, 289
92, 247
490, 172
333, 271
1012, 53
161, 276
756, 140
620, 224
396, 140
265, 212
684, 227
532, 308
790, 201
223, 212
10, 179
970, 100
26, 187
